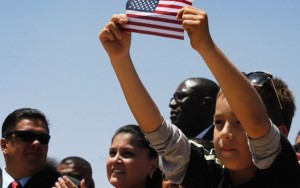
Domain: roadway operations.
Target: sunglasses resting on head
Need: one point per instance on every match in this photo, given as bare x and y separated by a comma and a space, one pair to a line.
259, 79
29, 136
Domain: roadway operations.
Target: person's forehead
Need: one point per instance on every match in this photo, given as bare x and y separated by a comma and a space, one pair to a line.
126, 140
67, 168
29, 124
222, 106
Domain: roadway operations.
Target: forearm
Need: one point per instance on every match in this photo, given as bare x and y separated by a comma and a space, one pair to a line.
140, 102
117, 45
174, 150
250, 110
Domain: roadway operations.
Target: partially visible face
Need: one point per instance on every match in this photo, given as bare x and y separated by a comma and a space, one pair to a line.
70, 170
25, 158
230, 139
297, 141
128, 165
186, 106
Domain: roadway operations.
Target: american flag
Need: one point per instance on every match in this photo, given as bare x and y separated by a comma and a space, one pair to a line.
155, 17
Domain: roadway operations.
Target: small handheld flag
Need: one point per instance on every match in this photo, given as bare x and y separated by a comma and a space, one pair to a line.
155, 17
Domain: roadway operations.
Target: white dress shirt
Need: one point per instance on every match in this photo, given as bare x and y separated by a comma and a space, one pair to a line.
7, 179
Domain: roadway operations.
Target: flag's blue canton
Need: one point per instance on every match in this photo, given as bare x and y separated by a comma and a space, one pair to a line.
142, 5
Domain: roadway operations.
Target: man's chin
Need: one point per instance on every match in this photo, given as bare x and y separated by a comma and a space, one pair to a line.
174, 122
178, 124
35, 165
174, 119
32, 170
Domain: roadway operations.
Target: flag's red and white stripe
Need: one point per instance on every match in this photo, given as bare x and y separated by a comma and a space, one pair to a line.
162, 22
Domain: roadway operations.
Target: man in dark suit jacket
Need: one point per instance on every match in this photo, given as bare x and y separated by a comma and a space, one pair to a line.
46, 177
24, 143
193, 107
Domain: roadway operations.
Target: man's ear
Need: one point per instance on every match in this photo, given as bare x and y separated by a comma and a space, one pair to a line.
283, 130
207, 102
4, 145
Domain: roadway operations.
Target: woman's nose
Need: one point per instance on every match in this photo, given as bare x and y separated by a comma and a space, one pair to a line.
117, 158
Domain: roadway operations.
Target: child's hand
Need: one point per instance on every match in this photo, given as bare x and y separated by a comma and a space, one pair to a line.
116, 41
195, 22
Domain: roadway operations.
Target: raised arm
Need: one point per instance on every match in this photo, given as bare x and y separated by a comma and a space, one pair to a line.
117, 44
242, 97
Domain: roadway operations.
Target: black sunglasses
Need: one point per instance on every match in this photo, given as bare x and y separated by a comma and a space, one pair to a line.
178, 96
297, 147
30, 136
260, 78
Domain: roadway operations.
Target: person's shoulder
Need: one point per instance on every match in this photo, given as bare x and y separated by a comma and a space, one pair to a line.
204, 168
44, 178
287, 149
207, 153
285, 168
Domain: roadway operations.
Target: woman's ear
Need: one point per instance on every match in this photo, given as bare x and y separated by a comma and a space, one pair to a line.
153, 167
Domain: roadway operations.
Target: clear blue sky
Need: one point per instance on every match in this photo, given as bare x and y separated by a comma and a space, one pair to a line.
51, 59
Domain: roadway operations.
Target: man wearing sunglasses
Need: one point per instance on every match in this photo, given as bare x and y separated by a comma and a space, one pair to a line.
193, 107
24, 143
192, 111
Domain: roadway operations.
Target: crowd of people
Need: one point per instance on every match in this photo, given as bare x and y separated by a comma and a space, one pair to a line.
219, 135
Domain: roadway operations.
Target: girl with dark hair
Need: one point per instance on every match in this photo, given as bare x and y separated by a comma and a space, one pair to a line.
132, 163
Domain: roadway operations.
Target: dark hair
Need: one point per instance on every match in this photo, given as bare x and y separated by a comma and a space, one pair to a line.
287, 100
279, 101
84, 167
13, 118
156, 180
278, 116
135, 131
